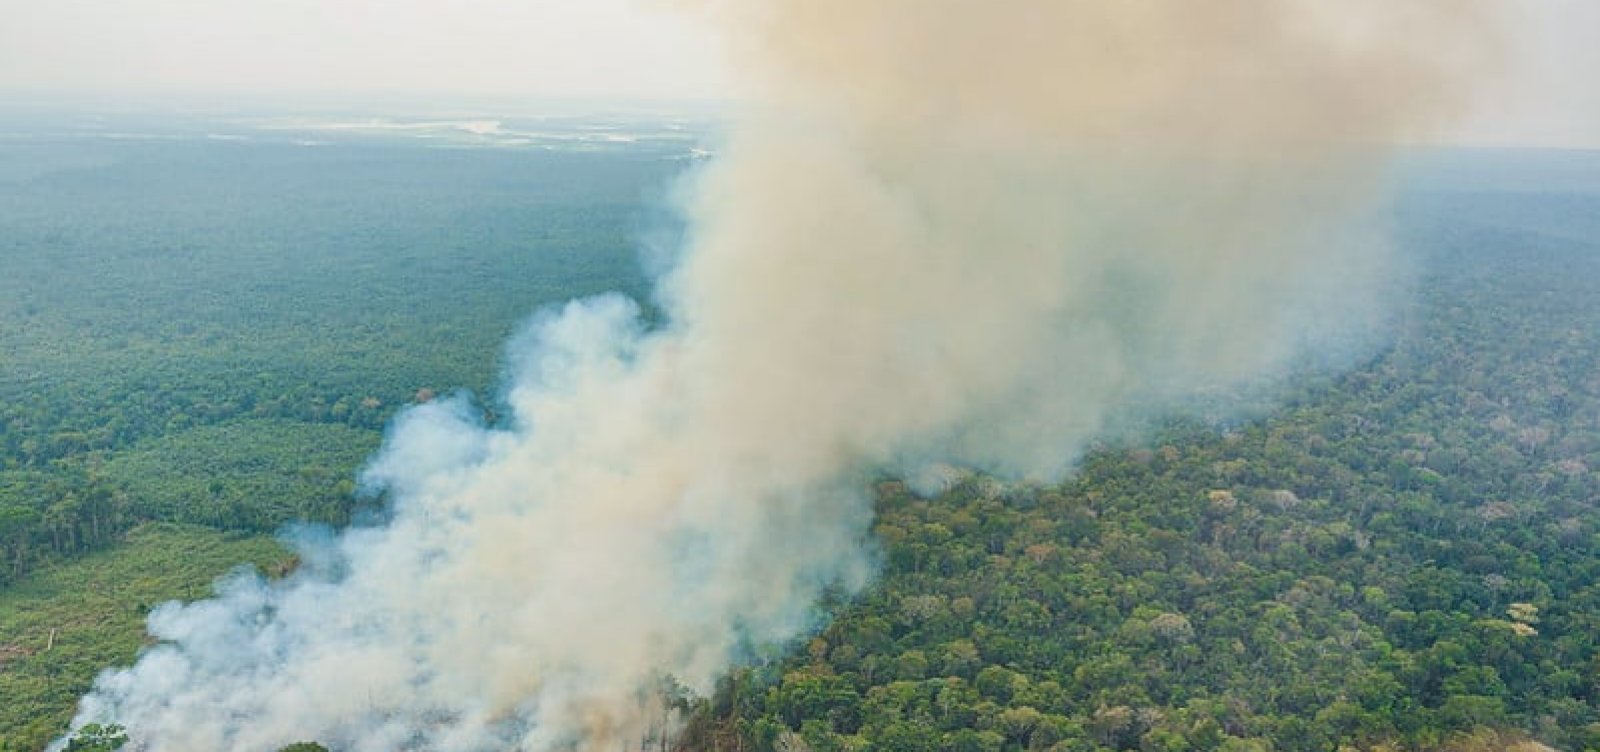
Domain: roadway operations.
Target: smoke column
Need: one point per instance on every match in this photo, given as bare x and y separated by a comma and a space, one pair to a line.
951, 231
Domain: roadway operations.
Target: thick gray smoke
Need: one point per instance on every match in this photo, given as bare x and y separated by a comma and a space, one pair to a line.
953, 231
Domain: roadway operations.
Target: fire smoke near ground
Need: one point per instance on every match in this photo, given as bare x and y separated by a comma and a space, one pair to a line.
953, 231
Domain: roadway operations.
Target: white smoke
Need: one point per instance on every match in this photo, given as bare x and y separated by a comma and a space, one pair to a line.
964, 232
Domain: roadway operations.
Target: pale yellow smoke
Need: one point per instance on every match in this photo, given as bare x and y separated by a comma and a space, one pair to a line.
980, 225
1253, 75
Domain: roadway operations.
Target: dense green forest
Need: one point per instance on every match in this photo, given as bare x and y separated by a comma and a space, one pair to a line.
203, 339
186, 323
1403, 556
204, 332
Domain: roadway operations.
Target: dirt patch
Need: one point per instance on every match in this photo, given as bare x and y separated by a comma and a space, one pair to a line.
9, 653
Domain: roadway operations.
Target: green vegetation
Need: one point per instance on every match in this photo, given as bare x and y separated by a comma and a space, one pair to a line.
62, 625
1406, 556
94, 737
216, 333
267, 296
254, 475
202, 341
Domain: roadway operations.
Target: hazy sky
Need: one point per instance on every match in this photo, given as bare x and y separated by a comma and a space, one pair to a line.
604, 49
589, 48
1549, 90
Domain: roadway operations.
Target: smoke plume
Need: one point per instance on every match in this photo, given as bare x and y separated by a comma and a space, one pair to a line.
942, 231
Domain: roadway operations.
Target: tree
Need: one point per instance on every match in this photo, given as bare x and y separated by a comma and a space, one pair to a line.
95, 737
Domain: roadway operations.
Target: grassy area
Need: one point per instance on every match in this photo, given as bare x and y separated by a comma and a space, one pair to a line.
95, 608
